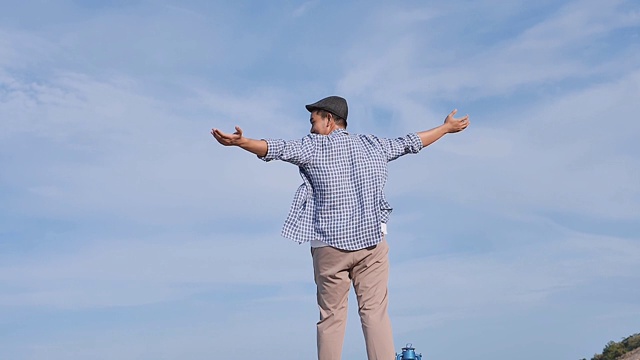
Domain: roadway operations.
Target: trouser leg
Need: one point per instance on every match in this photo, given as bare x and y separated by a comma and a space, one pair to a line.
331, 275
370, 280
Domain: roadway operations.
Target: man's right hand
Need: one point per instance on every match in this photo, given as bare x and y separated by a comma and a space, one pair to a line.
258, 147
234, 139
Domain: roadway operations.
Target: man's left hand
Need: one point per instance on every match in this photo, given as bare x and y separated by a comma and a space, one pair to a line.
454, 125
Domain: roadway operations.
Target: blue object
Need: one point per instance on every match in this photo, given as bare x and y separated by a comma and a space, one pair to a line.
408, 353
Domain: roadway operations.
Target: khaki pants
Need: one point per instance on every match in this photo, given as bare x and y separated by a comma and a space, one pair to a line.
368, 269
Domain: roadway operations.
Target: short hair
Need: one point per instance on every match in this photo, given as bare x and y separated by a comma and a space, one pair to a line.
337, 119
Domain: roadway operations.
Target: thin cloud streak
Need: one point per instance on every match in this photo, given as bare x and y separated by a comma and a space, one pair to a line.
541, 54
137, 272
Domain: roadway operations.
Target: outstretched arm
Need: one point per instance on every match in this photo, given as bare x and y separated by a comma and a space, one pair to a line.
451, 125
258, 147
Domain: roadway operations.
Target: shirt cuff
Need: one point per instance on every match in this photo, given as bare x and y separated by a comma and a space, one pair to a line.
274, 147
416, 143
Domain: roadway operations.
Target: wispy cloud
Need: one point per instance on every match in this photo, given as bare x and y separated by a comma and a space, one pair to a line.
304, 8
542, 54
131, 272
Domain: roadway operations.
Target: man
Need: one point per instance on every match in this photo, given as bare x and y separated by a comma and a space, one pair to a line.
341, 210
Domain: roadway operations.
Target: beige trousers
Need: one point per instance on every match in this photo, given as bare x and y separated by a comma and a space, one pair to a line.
368, 270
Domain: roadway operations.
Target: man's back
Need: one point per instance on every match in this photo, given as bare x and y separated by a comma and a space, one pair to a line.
341, 201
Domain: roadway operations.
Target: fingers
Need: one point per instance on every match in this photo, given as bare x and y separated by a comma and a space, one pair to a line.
227, 139
464, 122
450, 116
219, 134
456, 124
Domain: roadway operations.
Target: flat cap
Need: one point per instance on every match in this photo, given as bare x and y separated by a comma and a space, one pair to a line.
333, 104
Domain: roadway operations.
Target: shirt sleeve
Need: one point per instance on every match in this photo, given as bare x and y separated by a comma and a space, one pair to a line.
297, 152
394, 148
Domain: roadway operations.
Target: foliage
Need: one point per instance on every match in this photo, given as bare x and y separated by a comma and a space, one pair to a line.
614, 350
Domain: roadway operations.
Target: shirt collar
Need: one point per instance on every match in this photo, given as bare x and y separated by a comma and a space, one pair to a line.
339, 131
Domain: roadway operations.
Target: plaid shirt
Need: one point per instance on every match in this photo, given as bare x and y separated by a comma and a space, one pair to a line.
341, 201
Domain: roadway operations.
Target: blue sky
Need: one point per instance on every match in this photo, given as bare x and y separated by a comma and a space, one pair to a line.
126, 232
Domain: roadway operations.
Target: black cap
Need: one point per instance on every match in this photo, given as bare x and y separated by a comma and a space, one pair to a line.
333, 104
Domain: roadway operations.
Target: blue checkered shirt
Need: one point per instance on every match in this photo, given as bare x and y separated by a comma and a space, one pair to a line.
341, 201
